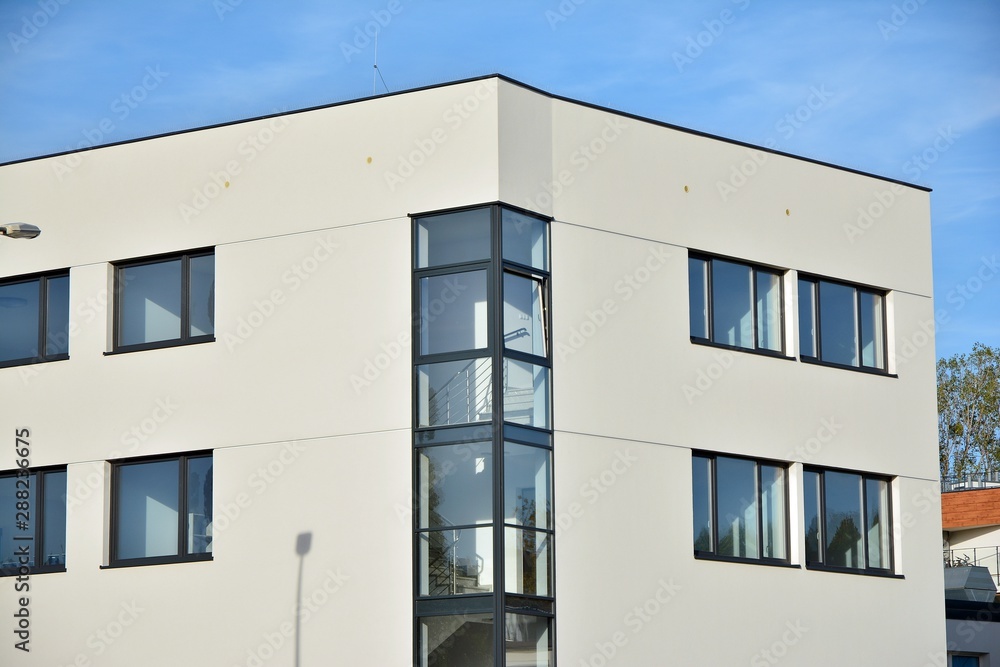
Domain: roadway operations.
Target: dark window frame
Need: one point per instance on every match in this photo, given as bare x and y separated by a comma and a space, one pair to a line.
821, 527
817, 359
185, 337
38, 509
182, 473
713, 500
43, 315
710, 315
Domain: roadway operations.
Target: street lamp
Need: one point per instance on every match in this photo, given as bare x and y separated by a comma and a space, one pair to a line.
19, 230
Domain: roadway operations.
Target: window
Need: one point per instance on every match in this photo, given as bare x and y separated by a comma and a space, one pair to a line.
740, 508
165, 301
34, 319
964, 661
841, 324
735, 304
162, 510
41, 496
848, 521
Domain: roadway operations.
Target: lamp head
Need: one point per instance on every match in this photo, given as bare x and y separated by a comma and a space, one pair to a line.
19, 230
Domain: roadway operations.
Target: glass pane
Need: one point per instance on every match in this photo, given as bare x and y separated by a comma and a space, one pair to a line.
732, 317
453, 312
456, 562
814, 536
54, 521
768, 311
455, 485
525, 393
878, 523
772, 509
19, 321
527, 478
964, 661
202, 322
9, 520
736, 492
838, 336
843, 520
698, 296
528, 640
456, 641
807, 318
454, 392
527, 562
453, 237
701, 481
872, 331
147, 509
150, 307
524, 324
57, 315
199, 505
525, 239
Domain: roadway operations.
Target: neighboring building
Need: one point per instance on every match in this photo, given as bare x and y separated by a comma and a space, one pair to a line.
479, 375
971, 523
973, 625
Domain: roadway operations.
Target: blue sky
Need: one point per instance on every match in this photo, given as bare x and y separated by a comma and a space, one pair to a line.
910, 89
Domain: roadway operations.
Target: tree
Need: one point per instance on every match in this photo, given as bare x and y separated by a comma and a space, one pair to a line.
968, 399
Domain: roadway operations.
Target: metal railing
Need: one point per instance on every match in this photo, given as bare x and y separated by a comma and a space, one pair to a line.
988, 557
972, 480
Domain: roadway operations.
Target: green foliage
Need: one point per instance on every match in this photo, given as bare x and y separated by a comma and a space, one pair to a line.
968, 399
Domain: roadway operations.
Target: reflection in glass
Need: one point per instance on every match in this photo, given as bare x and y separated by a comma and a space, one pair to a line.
527, 474
872, 331
199, 505
736, 489
772, 509
150, 302
451, 238
527, 640
454, 485
54, 519
9, 560
524, 313
456, 561
698, 296
814, 536
19, 320
877, 517
844, 539
838, 326
768, 310
202, 306
147, 510
453, 312
807, 318
525, 239
526, 394
456, 641
527, 562
732, 318
57, 315
701, 480
454, 392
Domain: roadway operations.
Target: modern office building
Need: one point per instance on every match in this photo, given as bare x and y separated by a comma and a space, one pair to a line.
466, 375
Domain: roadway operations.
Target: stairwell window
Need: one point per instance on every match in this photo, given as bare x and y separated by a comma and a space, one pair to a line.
34, 319
735, 304
740, 508
165, 301
841, 324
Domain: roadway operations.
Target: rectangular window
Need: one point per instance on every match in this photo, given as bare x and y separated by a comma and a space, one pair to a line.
848, 521
165, 301
162, 510
740, 508
34, 319
735, 304
33, 507
841, 324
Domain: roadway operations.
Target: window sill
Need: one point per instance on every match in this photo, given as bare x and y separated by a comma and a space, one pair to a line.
770, 562
736, 348
883, 574
158, 560
32, 571
857, 369
34, 360
159, 345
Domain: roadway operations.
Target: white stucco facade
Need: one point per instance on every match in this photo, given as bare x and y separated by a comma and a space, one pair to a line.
305, 396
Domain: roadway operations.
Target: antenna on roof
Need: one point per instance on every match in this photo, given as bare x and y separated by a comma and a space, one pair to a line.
377, 71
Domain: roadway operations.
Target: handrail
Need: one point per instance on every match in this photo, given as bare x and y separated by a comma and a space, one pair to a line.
959, 557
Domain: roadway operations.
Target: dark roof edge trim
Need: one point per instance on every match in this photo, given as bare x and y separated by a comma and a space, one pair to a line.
501, 77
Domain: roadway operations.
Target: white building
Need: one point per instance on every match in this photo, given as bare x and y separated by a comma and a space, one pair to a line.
276, 372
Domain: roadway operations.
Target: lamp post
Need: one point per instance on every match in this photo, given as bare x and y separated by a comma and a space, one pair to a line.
19, 230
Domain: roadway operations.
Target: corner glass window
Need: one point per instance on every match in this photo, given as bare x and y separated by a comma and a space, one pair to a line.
735, 304
33, 514
454, 392
453, 312
526, 394
456, 640
34, 319
525, 314
841, 324
453, 238
525, 239
528, 640
164, 302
